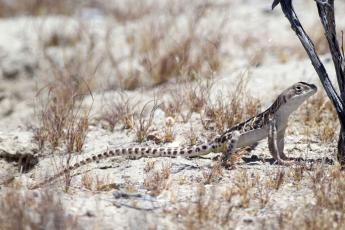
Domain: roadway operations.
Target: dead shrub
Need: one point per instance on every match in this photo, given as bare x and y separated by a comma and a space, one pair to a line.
163, 49
36, 7
27, 210
205, 211
231, 109
320, 118
143, 123
157, 180
120, 111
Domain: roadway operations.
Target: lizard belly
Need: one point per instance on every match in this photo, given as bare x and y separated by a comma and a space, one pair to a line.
251, 137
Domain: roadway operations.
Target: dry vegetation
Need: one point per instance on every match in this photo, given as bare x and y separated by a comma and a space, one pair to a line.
157, 179
27, 210
165, 50
218, 206
233, 108
320, 118
165, 53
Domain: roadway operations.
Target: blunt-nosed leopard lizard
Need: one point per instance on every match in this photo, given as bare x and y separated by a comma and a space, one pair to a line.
271, 123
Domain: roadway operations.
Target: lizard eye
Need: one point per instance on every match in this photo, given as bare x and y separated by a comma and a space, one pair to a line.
298, 89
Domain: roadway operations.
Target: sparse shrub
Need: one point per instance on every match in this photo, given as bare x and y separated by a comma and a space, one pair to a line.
28, 210
214, 174
120, 111
142, 123
62, 119
157, 180
232, 109
169, 129
206, 210
165, 49
320, 118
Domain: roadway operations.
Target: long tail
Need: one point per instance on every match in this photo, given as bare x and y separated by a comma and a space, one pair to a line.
195, 150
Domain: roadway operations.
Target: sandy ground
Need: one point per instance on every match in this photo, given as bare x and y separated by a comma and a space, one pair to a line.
128, 200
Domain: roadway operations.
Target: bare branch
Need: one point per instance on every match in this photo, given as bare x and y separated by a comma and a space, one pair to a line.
308, 45
326, 12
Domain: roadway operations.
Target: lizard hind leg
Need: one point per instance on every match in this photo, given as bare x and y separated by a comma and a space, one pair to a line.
232, 144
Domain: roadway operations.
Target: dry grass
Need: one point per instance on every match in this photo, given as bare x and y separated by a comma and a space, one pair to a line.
62, 114
163, 49
251, 193
62, 108
169, 129
320, 118
24, 210
327, 210
119, 112
213, 175
157, 180
231, 109
187, 98
36, 7
205, 212
143, 123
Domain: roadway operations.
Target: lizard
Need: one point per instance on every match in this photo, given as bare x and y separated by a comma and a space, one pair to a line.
270, 124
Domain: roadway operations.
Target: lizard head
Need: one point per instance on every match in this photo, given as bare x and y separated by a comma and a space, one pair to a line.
300, 91
296, 94
291, 98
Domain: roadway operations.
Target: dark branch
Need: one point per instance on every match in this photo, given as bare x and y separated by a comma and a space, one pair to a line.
308, 45
326, 13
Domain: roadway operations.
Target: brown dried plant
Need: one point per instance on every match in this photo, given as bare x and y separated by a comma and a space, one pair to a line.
231, 109
157, 180
26, 210
142, 122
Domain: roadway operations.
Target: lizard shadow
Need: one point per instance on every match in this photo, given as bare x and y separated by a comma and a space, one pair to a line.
255, 158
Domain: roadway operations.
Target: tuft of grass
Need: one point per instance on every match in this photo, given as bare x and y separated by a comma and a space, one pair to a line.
143, 123
165, 49
36, 8
169, 129
320, 118
205, 211
213, 175
328, 209
120, 111
157, 180
25, 210
231, 109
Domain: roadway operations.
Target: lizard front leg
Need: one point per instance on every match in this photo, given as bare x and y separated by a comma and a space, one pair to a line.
276, 143
232, 143
280, 142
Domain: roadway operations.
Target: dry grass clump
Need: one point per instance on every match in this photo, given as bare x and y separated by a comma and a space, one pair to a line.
328, 209
120, 111
62, 119
169, 129
157, 180
143, 123
100, 184
232, 108
320, 118
213, 175
26, 210
166, 49
63, 116
36, 7
205, 211
130, 114
182, 101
